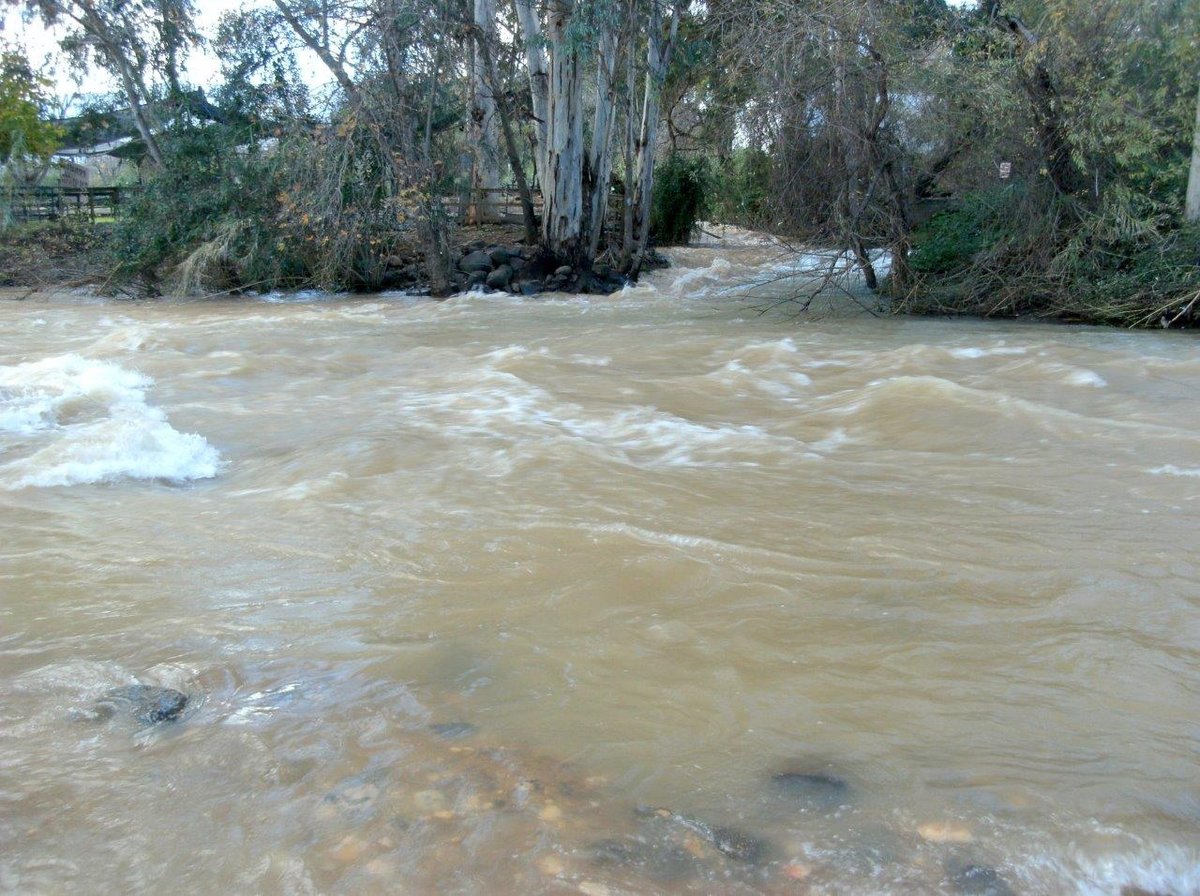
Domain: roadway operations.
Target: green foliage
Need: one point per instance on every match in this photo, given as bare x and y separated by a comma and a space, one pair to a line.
950, 240
23, 126
681, 187
228, 212
210, 195
1015, 251
741, 188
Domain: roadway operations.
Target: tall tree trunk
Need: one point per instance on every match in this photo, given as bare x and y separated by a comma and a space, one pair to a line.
562, 190
658, 58
600, 155
483, 130
631, 116
539, 84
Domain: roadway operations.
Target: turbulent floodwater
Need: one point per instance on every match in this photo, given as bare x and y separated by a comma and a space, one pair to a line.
547, 595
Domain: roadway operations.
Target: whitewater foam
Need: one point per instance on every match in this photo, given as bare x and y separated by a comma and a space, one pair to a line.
84, 421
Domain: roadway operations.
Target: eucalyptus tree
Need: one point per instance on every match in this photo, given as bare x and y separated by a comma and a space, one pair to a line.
140, 42
482, 118
569, 43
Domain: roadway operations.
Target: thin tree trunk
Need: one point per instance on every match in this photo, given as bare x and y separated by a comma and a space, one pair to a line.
1042, 94
510, 143
432, 228
132, 82
627, 235
658, 58
1192, 208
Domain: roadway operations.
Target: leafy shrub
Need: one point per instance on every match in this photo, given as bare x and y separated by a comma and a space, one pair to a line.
230, 212
742, 189
681, 185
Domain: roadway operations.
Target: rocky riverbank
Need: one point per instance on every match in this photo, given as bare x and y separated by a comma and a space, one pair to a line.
58, 255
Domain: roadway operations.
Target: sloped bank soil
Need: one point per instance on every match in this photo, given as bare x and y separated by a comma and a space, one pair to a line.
53, 254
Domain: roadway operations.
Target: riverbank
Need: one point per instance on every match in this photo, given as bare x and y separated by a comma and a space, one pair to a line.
57, 256
53, 256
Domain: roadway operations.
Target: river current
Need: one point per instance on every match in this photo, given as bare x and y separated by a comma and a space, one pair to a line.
658, 592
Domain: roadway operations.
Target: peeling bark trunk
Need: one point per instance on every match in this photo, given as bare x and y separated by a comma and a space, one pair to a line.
562, 191
483, 130
600, 155
539, 84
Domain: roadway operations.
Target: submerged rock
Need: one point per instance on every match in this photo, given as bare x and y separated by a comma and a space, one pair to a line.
729, 841
738, 844
145, 703
660, 859
812, 791
453, 730
977, 880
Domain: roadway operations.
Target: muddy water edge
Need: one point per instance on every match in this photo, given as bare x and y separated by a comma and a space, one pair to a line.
646, 593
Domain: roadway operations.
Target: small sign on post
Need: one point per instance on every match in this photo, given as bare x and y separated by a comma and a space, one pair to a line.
73, 177
1005, 170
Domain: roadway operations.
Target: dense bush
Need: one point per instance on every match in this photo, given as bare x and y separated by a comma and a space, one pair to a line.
213, 207
1010, 252
228, 212
681, 185
742, 189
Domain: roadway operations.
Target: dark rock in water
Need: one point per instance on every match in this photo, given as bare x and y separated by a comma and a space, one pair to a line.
660, 859
530, 287
146, 703
738, 844
478, 260
476, 278
732, 842
453, 730
499, 278
977, 880
812, 791
613, 851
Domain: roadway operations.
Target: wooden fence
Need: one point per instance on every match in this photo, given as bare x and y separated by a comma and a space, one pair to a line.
54, 203
505, 207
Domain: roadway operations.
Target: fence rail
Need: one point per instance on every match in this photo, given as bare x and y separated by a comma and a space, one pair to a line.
54, 203
503, 206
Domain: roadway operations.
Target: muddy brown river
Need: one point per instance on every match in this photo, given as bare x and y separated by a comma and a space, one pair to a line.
648, 593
